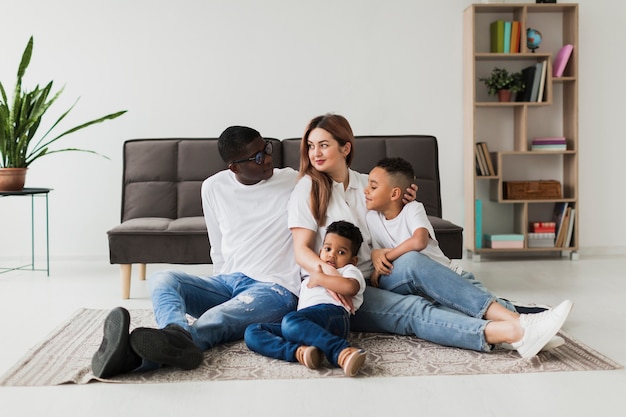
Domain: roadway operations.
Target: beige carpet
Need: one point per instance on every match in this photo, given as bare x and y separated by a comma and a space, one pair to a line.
65, 357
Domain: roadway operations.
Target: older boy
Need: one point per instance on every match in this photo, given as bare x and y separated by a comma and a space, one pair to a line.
397, 228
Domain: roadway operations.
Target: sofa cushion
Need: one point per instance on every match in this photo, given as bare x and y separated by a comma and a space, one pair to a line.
160, 240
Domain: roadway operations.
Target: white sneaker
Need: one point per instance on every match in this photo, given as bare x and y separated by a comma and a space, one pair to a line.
553, 343
540, 328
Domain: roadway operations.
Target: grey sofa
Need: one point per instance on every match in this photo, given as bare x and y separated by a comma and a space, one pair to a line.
161, 217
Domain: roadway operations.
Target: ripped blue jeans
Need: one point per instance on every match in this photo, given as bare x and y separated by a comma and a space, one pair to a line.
223, 305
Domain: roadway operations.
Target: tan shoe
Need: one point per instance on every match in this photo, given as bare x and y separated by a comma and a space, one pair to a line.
309, 356
351, 359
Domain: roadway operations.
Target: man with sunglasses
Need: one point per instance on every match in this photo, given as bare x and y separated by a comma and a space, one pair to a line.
255, 277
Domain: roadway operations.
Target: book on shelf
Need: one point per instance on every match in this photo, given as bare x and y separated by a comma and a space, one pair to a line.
506, 48
515, 36
570, 229
549, 147
479, 224
561, 60
557, 216
480, 158
560, 237
536, 79
542, 82
487, 155
549, 140
528, 74
506, 36
497, 36
553, 143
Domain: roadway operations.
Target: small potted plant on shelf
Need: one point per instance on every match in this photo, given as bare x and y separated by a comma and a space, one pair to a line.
19, 121
503, 83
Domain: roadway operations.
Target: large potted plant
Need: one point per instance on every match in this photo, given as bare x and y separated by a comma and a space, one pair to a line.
19, 122
503, 83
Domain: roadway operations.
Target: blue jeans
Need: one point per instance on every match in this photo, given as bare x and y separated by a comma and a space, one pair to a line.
325, 326
417, 274
224, 305
476, 283
384, 311
426, 299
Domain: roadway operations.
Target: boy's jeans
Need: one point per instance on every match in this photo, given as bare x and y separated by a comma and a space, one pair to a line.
325, 326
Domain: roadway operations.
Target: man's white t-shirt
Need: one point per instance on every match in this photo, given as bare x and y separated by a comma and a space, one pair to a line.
247, 227
390, 233
319, 295
348, 205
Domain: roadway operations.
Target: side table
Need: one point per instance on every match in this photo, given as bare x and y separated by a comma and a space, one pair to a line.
32, 192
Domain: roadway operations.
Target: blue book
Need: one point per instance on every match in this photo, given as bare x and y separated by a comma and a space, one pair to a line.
507, 37
479, 224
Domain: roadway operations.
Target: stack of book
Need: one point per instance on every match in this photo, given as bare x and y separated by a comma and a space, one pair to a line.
507, 241
505, 36
541, 234
549, 144
484, 165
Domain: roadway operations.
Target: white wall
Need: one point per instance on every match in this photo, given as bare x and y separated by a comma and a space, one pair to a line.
193, 67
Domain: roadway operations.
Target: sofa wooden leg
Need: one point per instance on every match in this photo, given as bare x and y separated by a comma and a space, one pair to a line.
142, 271
126, 270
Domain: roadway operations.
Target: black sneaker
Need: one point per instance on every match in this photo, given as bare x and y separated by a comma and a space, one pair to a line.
171, 346
114, 356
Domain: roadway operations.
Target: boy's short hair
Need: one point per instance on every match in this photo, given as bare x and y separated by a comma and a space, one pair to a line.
233, 140
400, 171
349, 231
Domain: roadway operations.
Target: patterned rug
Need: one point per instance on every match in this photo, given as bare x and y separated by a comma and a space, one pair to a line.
65, 357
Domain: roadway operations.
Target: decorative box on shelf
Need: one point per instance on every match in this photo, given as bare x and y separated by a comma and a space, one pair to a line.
505, 241
541, 240
532, 190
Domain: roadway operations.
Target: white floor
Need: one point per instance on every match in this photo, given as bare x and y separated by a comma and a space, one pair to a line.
31, 305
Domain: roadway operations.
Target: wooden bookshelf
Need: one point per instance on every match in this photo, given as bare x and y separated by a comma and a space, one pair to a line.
508, 128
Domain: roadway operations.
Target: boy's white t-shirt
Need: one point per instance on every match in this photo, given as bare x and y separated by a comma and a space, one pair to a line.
390, 233
247, 227
348, 205
319, 295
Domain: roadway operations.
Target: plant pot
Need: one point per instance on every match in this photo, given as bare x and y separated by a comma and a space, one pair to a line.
12, 179
504, 95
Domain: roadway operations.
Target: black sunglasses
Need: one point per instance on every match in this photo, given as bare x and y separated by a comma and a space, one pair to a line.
259, 158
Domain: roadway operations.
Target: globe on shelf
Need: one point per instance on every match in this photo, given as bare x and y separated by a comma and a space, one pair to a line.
533, 39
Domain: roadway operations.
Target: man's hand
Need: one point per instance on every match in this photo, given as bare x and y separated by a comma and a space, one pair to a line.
410, 194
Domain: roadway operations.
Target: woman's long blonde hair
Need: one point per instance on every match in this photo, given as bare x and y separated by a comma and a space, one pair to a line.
339, 128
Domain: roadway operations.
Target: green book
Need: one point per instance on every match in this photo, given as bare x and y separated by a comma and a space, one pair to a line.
497, 36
